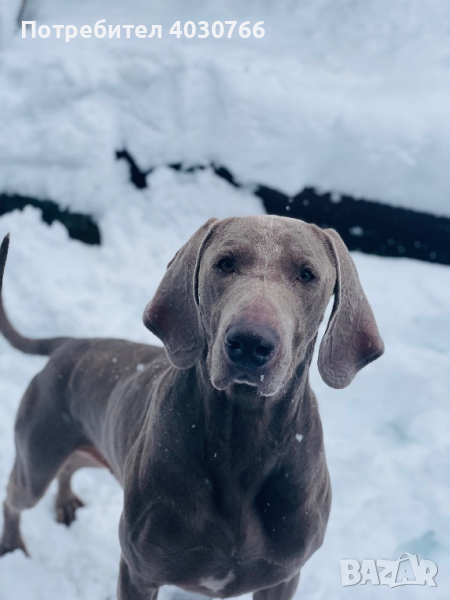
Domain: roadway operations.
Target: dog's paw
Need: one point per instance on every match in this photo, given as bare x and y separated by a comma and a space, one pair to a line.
66, 508
6, 548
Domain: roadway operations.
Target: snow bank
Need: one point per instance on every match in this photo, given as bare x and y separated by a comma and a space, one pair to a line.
346, 96
386, 435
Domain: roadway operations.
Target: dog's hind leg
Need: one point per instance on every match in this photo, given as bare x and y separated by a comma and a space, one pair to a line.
46, 435
11, 539
67, 502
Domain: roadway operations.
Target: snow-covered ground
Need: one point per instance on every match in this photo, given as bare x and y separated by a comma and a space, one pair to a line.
386, 435
350, 96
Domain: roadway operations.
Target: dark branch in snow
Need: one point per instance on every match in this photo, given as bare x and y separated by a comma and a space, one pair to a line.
138, 177
365, 225
21, 12
79, 226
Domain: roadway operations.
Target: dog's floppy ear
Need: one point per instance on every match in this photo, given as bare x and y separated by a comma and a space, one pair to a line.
351, 340
173, 314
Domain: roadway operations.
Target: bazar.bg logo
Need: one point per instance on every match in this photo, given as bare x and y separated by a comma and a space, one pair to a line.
406, 570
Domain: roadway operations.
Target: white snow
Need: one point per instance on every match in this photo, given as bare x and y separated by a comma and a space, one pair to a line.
350, 96
347, 95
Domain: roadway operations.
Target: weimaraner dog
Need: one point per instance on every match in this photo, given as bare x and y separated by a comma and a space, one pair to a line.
216, 439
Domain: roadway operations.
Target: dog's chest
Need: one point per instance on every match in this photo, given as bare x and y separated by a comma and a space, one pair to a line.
227, 542
221, 521
226, 558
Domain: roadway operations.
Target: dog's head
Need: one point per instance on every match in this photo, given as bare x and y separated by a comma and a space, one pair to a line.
248, 294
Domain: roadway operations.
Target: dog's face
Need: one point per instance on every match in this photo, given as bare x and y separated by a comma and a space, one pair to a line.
263, 286
249, 294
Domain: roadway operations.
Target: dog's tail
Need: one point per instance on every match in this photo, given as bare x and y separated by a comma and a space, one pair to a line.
27, 345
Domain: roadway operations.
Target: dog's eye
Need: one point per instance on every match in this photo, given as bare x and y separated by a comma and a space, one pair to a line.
226, 265
306, 275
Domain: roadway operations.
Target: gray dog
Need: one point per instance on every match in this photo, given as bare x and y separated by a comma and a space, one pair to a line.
217, 439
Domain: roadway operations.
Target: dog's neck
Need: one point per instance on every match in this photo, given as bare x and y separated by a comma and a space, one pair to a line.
243, 431
232, 440
245, 400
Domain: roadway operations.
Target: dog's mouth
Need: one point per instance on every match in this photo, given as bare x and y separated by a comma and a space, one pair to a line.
261, 378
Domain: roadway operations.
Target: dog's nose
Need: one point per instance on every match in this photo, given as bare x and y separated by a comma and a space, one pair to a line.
250, 346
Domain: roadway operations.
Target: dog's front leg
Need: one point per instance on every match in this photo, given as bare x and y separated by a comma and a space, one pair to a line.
129, 588
282, 591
